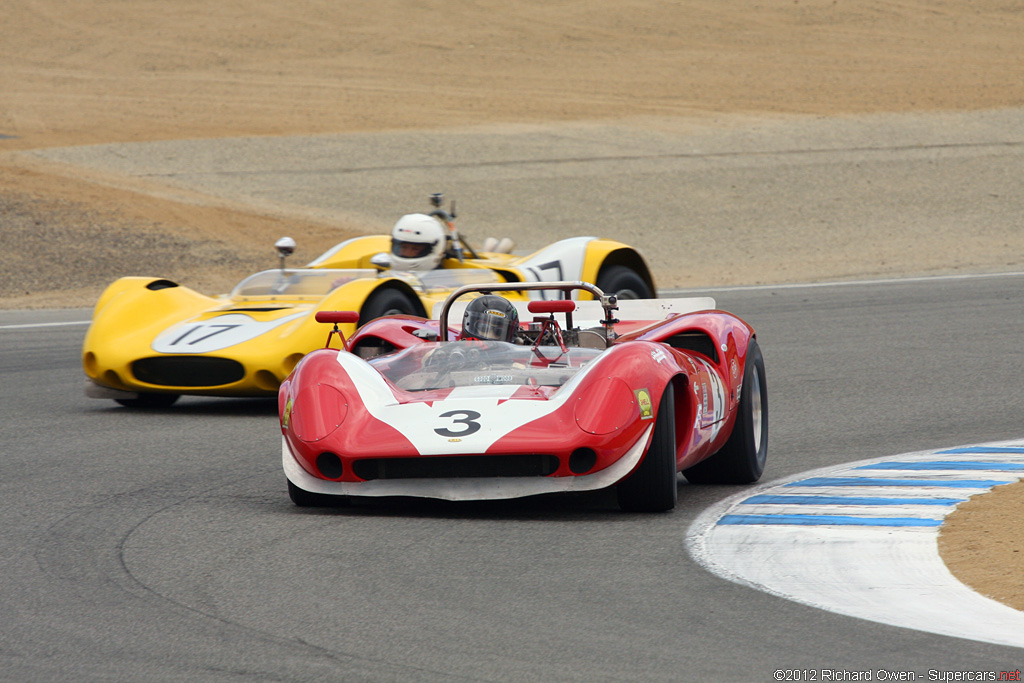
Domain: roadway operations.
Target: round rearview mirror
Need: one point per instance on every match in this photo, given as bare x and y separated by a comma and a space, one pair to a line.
381, 260
285, 246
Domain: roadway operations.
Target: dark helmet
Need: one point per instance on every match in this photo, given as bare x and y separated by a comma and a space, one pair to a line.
490, 317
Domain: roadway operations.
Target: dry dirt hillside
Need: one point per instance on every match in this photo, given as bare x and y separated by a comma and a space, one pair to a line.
98, 71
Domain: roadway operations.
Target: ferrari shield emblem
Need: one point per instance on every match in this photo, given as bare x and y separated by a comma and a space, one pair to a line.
643, 399
286, 417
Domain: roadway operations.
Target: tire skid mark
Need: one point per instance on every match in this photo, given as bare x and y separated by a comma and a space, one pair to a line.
83, 556
861, 539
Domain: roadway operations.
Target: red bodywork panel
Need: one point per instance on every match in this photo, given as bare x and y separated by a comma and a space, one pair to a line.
699, 356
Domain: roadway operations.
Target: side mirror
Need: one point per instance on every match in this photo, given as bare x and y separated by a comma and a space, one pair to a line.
552, 306
381, 260
285, 248
338, 318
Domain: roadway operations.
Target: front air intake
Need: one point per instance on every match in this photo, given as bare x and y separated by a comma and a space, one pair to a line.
187, 371
456, 467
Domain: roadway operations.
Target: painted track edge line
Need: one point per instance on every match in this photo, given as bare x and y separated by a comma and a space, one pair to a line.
25, 326
919, 570
696, 537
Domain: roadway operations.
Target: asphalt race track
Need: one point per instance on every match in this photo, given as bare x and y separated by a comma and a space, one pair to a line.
162, 546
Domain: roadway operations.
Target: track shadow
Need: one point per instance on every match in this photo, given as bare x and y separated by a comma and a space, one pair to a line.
196, 406
589, 506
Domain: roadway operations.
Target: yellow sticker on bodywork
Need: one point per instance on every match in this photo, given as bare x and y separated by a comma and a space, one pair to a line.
643, 399
287, 413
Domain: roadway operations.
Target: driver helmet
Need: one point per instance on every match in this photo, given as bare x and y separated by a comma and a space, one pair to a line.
417, 243
491, 318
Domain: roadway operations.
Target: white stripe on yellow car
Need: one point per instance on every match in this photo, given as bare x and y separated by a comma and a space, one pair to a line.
214, 334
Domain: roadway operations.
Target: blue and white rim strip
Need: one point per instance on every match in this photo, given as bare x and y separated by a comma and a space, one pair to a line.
861, 539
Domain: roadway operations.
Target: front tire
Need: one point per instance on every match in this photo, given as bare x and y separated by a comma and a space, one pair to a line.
387, 301
623, 282
742, 458
653, 487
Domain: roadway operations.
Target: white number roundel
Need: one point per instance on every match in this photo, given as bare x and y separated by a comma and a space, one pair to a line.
214, 334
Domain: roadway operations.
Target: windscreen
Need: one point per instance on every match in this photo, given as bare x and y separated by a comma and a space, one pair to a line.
443, 279
447, 365
305, 282
318, 282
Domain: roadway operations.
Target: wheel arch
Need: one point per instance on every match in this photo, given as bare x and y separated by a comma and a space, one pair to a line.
684, 411
624, 256
353, 253
405, 289
354, 296
131, 286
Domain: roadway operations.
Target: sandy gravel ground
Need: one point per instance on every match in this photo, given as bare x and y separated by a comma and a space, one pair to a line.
105, 71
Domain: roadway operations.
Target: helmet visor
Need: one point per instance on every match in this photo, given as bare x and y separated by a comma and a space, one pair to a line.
488, 324
411, 249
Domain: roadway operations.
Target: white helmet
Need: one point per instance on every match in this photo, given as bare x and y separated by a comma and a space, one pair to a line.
417, 243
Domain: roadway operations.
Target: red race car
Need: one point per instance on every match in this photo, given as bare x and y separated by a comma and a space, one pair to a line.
515, 402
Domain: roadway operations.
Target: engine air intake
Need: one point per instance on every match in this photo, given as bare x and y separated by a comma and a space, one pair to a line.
456, 467
187, 371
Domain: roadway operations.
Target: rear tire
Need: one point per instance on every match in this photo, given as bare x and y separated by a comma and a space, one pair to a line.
741, 460
387, 301
623, 282
308, 499
147, 400
653, 486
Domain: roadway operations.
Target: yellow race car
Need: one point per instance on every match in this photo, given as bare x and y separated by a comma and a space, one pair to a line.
152, 340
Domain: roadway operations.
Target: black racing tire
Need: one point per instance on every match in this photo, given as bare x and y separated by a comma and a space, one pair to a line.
653, 486
149, 400
307, 499
742, 459
623, 282
387, 301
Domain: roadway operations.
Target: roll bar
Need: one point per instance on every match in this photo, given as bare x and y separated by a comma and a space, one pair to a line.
608, 301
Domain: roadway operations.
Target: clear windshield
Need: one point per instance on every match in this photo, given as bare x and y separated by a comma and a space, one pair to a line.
318, 282
474, 363
294, 282
444, 279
